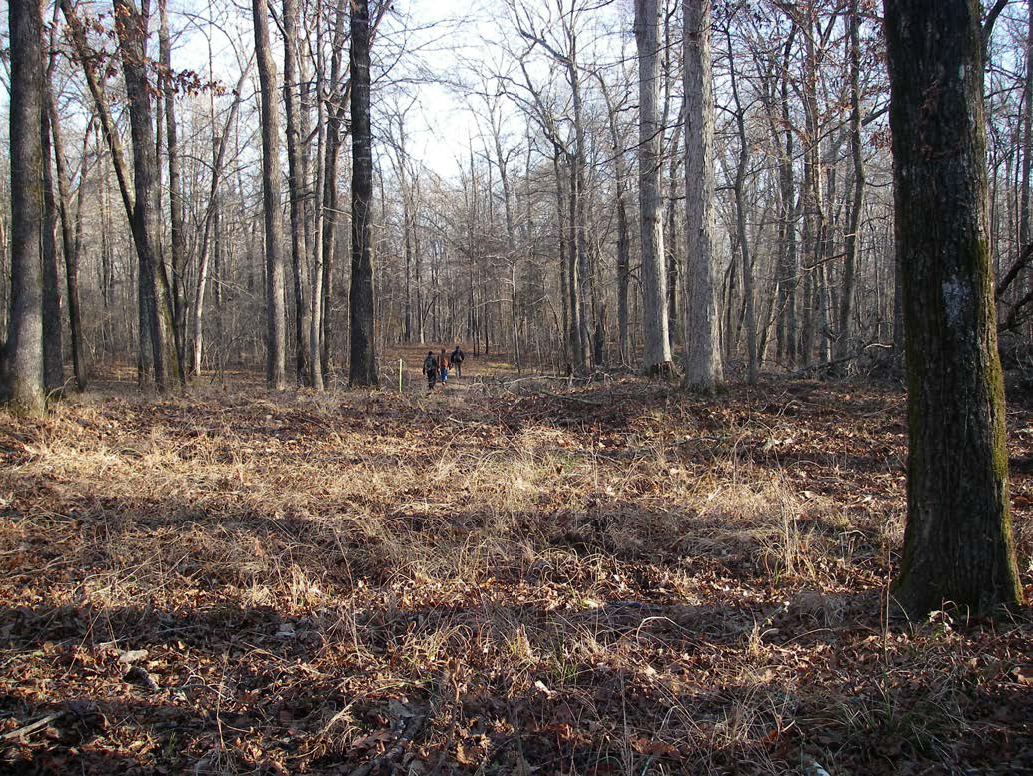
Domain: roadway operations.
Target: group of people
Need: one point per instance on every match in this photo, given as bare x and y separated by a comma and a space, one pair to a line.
436, 367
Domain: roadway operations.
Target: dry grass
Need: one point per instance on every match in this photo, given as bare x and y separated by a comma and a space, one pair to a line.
490, 580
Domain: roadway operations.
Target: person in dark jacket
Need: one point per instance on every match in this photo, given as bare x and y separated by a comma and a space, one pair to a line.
457, 359
430, 369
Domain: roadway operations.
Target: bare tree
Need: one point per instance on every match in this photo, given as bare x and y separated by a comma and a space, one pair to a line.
297, 185
276, 345
656, 356
177, 208
131, 27
703, 371
743, 240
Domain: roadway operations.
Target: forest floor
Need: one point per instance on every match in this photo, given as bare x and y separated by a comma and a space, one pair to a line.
497, 578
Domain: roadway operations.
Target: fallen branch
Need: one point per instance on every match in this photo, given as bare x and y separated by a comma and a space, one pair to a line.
30, 727
836, 362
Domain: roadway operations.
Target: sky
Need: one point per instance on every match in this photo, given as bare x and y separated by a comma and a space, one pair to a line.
449, 46
441, 47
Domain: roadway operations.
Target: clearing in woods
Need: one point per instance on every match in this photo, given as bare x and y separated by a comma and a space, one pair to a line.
499, 578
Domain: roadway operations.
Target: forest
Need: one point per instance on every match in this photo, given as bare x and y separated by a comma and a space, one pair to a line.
516, 387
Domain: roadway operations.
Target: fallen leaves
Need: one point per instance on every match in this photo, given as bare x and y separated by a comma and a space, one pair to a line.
638, 581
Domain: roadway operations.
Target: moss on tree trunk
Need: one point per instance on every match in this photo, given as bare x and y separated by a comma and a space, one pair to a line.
958, 546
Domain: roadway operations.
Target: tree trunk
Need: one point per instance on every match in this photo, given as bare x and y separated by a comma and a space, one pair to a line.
297, 188
812, 190
672, 258
21, 369
71, 236
703, 371
958, 544
852, 248
362, 369
210, 223
1027, 141
740, 221
275, 292
154, 283
561, 240
330, 193
656, 355
176, 204
574, 271
315, 320
787, 259
53, 352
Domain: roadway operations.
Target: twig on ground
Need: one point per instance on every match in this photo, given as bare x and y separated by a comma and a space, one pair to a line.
411, 730
30, 727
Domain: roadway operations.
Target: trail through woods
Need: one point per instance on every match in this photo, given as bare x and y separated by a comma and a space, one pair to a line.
493, 579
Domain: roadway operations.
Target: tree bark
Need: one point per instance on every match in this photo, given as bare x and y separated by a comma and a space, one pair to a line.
656, 355
740, 221
844, 344
315, 313
275, 291
22, 364
53, 351
177, 210
131, 28
701, 317
297, 188
1027, 141
362, 368
623, 236
788, 266
71, 237
958, 543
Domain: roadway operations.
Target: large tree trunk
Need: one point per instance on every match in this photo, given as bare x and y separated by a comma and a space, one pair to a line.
958, 544
21, 369
275, 292
362, 369
703, 371
154, 283
656, 355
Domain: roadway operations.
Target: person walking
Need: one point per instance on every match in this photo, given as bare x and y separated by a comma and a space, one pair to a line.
457, 358
430, 369
443, 365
